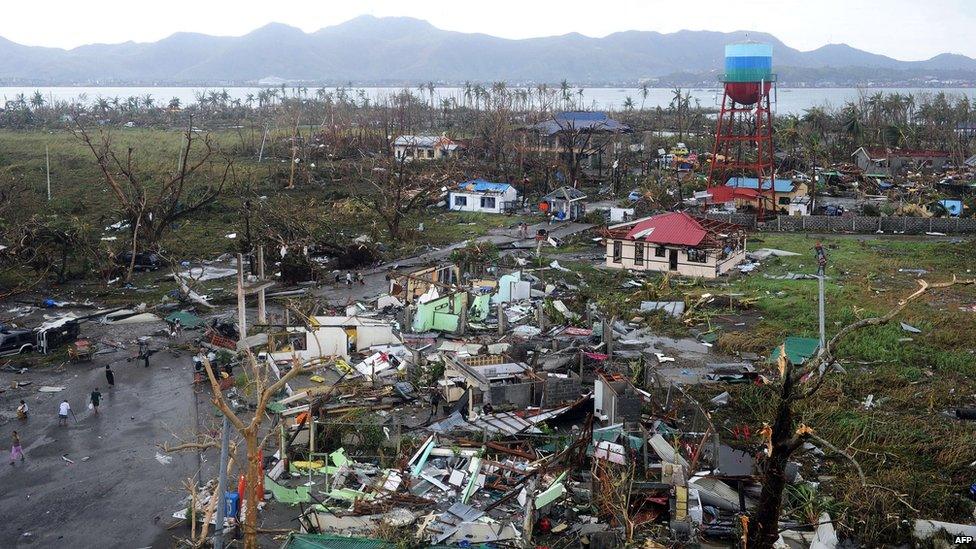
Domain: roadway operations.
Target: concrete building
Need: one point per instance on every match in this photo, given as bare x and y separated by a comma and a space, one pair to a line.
483, 196
676, 243
887, 162
423, 147
578, 135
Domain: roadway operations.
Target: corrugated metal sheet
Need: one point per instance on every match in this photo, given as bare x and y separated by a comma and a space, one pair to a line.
481, 186
676, 228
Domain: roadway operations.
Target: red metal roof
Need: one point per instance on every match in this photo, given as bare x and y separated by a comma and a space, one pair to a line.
676, 228
723, 194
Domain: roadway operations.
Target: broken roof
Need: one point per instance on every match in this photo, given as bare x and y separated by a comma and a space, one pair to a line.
483, 186
779, 185
565, 193
346, 321
880, 153
428, 141
581, 121
674, 228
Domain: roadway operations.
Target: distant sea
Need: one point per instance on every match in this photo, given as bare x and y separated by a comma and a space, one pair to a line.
787, 100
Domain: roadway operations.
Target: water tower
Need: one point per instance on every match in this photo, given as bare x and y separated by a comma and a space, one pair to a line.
743, 152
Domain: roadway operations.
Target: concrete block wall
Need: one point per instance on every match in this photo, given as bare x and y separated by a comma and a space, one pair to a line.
628, 407
519, 395
852, 224
560, 391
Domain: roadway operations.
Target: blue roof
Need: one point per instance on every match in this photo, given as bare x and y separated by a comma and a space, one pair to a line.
780, 185
482, 186
581, 120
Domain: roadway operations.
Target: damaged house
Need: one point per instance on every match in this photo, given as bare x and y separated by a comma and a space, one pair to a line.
331, 336
423, 147
491, 379
482, 196
676, 243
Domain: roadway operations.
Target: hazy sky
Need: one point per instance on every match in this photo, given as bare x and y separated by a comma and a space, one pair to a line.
904, 29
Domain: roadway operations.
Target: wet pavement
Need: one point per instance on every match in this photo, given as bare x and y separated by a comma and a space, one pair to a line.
116, 493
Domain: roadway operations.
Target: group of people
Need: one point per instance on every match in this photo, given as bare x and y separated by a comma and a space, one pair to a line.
64, 410
349, 278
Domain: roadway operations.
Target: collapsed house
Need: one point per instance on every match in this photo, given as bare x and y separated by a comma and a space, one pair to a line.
330, 336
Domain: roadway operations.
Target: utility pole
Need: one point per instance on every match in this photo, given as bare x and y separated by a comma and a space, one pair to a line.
47, 160
262, 313
821, 266
241, 305
218, 540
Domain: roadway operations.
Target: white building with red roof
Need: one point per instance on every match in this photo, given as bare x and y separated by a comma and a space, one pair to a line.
676, 242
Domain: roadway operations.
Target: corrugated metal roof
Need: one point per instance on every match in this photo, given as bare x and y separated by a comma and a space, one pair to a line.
562, 192
481, 186
676, 228
780, 185
581, 120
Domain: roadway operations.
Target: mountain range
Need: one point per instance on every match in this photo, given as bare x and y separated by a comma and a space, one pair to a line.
402, 50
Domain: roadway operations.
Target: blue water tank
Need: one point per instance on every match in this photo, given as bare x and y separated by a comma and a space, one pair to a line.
748, 62
231, 503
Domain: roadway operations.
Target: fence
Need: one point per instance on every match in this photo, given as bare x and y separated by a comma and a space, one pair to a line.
853, 224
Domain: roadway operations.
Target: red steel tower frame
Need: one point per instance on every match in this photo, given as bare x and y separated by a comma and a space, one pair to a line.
744, 140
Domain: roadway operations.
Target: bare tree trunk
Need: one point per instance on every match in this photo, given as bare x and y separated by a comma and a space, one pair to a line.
766, 520
253, 489
135, 242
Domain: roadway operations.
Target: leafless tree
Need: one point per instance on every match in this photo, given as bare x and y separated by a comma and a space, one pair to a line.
393, 187
265, 387
151, 208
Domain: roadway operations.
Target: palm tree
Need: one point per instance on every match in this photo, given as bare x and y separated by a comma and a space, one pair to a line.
148, 101
467, 93
249, 100
566, 92
174, 104
628, 103
644, 93
37, 100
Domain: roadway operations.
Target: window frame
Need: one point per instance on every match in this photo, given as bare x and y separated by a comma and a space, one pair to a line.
618, 251
460, 200
660, 251
638, 253
696, 255
494, 203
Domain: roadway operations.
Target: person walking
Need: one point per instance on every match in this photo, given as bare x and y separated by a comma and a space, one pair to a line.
63, 410
435, 402
144, 353
109, 376
95, 398
348, 279
22, 410
16, 452
360, 279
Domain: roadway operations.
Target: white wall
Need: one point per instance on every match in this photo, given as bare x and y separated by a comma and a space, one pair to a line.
474, 201
710, 269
